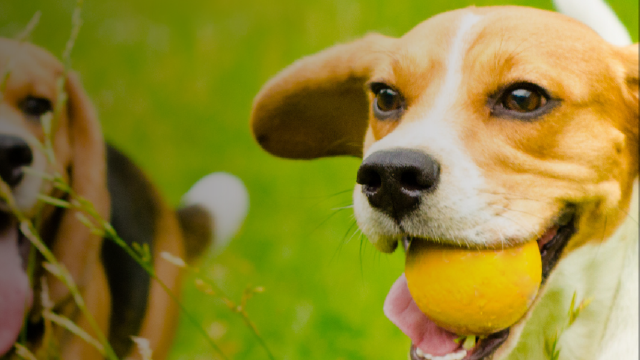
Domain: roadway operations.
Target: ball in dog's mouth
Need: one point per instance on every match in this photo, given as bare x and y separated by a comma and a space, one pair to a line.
16, 295
429, 341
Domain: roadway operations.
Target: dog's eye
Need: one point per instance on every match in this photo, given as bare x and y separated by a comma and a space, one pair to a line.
388, 100
388, 103
35, 106
522, 100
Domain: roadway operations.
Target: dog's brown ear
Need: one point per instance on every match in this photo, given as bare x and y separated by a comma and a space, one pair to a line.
318, 105
74, 245
631, 62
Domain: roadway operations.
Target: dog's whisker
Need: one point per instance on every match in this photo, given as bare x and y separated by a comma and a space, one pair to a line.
341, 192
324, 198
360, 256
333, 213
343, 241
343, 208
352, 235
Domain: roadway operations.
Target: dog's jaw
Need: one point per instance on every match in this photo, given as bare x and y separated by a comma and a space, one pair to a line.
473, 206
610, 288
431, 342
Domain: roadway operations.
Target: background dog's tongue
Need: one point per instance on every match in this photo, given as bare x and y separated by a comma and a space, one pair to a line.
400, 308
15, 292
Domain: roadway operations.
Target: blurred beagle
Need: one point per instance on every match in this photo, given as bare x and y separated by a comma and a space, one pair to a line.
485, 127
121, 297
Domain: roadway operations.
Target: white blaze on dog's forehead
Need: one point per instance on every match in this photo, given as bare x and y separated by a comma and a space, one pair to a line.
434, 129
453, 78
436, 132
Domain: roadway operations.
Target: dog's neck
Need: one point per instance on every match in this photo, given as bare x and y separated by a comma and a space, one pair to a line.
606, 274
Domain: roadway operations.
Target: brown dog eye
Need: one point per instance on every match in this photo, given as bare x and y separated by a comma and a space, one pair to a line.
388, 100
524, 100
35, 106
388, 103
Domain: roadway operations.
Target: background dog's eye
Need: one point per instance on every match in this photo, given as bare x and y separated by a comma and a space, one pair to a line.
388, 102
35, 106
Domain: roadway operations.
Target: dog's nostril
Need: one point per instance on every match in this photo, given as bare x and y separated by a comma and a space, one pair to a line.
420, 178
20, 155
369, 177
14, 154
409, 180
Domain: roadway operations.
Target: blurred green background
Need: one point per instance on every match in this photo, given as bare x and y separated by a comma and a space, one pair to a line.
173, 82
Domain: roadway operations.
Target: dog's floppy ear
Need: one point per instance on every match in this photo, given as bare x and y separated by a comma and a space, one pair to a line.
74, 245
630, 61
318, 106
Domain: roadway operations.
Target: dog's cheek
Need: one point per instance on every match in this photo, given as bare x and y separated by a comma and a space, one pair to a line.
371, 224
362, 211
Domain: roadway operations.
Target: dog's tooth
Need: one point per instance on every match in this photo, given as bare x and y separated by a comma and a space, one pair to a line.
421, 353
459, 355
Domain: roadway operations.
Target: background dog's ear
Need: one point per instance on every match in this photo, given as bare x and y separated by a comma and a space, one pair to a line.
318, 105
74, 245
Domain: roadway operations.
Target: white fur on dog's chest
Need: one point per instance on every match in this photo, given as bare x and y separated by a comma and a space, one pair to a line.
607, 274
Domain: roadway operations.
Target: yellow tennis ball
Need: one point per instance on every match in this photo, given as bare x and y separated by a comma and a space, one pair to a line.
473, 292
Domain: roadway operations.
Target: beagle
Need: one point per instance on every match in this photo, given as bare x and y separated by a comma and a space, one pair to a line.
484, 128
121, 297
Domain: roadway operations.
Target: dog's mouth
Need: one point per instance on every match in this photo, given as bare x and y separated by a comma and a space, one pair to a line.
431, 342
16, 295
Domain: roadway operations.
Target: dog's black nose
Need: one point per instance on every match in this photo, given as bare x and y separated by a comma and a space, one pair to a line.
395, 180
14, 154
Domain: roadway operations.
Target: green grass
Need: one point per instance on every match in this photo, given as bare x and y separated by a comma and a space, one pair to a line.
173, 82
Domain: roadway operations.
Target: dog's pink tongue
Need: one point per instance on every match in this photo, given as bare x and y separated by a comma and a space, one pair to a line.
400, 308
15, 292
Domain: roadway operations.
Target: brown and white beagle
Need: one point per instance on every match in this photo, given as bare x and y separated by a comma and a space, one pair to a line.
484, 128
121, 297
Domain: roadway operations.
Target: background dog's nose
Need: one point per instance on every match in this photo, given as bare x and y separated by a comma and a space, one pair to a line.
14, 154
395, 180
